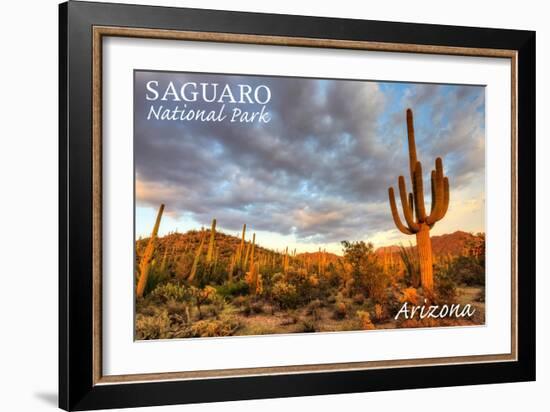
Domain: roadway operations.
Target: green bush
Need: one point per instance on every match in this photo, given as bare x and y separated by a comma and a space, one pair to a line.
367, 273
445, 287
155, 278
467, 270
170, 291
314, 309
214, 328
340, 310
233, 289
307, 327
359, 299
285, 295
412, 266
152, 327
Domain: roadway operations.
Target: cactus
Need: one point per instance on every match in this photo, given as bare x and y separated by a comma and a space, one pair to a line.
253, 277
231, 269
216, 257
240, 250
198, 253
421, 223
285, 261
145, 263
211, 251
164, 259
246, 256
252, 249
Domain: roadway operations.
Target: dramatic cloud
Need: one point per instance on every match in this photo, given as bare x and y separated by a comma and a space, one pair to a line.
319, 169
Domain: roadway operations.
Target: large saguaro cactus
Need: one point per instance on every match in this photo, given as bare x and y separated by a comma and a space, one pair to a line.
417, 221
210, 253
145, 263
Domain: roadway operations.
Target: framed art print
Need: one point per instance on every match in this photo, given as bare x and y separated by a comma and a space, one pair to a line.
259, 205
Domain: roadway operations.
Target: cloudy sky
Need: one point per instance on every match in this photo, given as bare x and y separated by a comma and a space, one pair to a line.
319, 171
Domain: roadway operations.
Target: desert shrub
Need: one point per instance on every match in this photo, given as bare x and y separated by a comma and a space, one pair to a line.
475, 248
378, 312
340, 310
359, 299
313, 281
367, 273
291, 319
394, 303
154, 279
268, 308
306, 287
481, 295
314, 309
179, 313
409, 257
467, 270
411, 296
210, 274
170, 291
365, 321
256, 307
445, 288
232, 289
217, 304
145, 308
174, 307
307, 326
240, 301
152, 327
276, 277
285, 295
252, 307
349, 287
214, 328
419, 323
378, 286
184, 265
333, 275
247, 309
202, 296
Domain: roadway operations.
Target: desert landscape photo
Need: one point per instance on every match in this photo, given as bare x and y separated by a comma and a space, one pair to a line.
280, 205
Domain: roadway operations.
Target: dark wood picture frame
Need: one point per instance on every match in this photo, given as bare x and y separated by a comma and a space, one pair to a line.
81, 27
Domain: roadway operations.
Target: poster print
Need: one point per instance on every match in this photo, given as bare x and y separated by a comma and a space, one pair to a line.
279, 205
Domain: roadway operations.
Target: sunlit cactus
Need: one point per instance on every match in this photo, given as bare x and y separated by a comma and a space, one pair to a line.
211, 244
240, 250
145, 263
418, 222
285, 261
253, 278
198, 253
231, 269
246, 257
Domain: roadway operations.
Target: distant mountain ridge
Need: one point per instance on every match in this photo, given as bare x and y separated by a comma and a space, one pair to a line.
453, 244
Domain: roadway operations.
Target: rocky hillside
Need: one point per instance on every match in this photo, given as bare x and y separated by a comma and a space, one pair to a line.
453, 244
175, 244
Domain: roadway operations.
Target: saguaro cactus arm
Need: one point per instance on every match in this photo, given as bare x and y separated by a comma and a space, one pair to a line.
446, 195
407, 207
412, 143
418, 190
404, 229
440, 194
